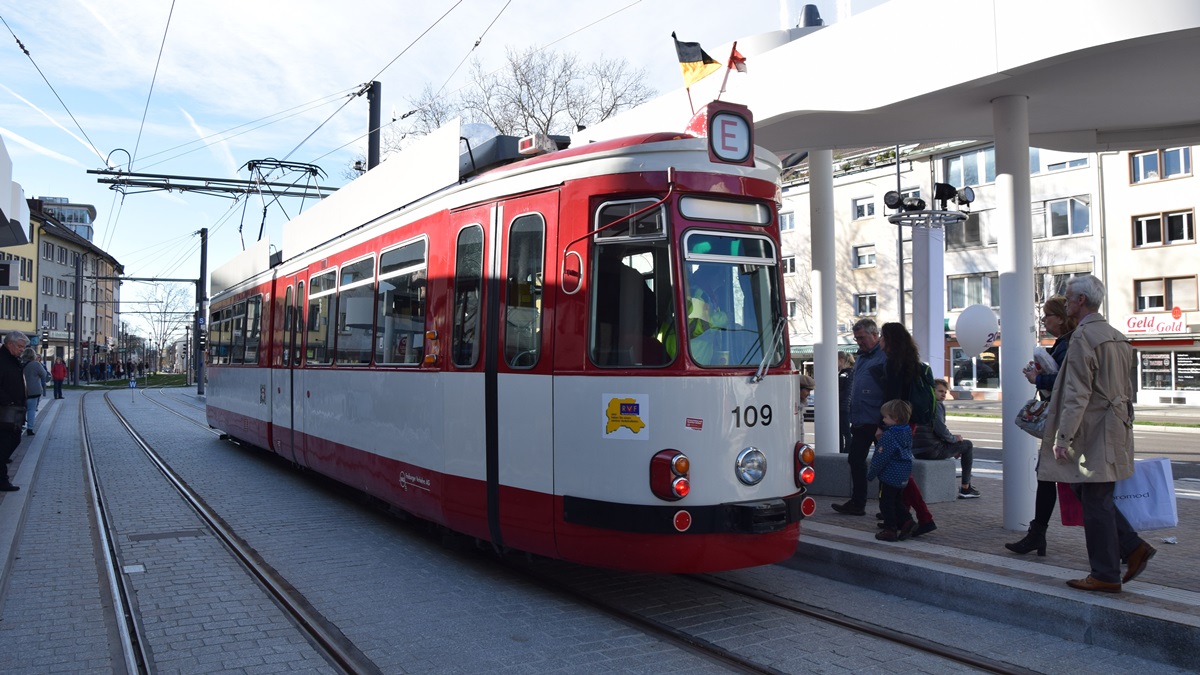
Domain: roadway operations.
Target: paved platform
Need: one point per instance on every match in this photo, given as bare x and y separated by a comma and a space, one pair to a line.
964, 566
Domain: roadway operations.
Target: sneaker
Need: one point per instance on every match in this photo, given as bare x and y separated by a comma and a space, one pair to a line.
924, 528
850, 509
968, 492
887, 535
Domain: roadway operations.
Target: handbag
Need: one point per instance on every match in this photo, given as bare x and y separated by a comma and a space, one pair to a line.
12, 415
1147, 498
1032, 418
1069, 508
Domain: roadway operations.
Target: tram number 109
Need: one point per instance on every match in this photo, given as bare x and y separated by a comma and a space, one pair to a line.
751, 416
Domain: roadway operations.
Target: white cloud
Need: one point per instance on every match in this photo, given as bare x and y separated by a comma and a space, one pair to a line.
39, 149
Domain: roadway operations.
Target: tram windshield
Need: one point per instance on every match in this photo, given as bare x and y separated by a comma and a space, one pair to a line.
733, 300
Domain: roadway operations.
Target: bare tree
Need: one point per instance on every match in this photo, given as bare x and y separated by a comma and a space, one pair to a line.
170, 309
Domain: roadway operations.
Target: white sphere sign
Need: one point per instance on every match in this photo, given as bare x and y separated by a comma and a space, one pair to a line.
976, 329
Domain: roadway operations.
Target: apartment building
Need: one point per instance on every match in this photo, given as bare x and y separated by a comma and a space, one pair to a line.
1126, 217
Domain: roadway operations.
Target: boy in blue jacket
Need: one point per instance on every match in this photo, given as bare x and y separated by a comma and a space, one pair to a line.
892, 465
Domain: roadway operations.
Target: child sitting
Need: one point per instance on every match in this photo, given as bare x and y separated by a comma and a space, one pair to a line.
892, 465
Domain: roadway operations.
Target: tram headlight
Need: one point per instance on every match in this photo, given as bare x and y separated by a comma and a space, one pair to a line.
751, 466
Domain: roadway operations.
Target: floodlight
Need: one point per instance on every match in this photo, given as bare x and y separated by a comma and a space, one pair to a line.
964, 196
892, 199
943, 192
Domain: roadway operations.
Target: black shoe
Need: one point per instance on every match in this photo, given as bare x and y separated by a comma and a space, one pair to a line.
906, 530
924, 528
1035, 539
850, 509
29, 432
879, 516
8, 487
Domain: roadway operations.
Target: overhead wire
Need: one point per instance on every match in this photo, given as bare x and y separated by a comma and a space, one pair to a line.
54, 91
547, 46
153, 78
374, 77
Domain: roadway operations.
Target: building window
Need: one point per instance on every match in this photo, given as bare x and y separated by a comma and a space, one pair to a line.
1149, 230
864, 304
62, 288
1159, 295
976, 289
47, 286
863, 208
965, 233
789, 265
1160, 164
787, 221
864, 256
1046, 161
47, 251
971, 168
791, 309
62, 255
1065, 217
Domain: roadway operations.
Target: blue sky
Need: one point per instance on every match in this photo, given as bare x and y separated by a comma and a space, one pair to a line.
226, 64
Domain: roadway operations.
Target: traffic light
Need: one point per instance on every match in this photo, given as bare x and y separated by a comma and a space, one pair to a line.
45, 336
203, 337
95, 349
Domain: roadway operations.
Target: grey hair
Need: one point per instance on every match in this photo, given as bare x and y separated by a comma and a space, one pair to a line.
1089, 288
16, 337
867, 325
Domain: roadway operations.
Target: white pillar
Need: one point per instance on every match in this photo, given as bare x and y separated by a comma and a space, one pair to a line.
1010, 116
929, 302
824, 287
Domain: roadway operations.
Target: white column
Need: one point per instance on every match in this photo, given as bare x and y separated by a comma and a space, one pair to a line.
1010, 116
824, 287
929, 303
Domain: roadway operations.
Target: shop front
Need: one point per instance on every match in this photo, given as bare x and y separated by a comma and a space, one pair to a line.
1168, 358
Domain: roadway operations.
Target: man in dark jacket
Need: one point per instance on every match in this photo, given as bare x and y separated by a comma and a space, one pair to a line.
866, 398
12, 394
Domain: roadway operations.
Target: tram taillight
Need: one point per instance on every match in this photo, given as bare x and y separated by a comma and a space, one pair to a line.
669, 475
804, 472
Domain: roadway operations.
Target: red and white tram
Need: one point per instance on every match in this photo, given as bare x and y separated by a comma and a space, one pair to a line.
580, 354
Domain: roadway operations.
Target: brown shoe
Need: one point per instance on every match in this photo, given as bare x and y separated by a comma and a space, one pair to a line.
1090, 584
887, 535
1137, 561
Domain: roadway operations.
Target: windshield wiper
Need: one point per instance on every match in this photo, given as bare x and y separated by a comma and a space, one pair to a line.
776, 339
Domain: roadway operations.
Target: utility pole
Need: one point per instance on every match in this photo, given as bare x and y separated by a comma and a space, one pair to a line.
374, 103
201, 299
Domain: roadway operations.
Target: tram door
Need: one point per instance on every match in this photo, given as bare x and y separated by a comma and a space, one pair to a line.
283, 405
519, 365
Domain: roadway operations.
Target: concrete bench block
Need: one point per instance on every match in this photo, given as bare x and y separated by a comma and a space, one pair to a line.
937, 478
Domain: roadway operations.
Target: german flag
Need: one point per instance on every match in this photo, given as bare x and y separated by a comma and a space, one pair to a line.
695, 63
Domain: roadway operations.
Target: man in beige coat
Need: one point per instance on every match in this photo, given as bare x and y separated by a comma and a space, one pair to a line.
1089, 437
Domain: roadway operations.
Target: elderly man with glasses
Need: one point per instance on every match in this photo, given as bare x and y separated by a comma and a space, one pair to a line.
12, 395
1088, 441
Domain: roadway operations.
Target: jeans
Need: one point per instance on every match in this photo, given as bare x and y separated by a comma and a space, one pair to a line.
58, 388
31, 406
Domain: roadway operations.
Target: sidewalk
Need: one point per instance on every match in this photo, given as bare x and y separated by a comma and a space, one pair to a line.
964, 566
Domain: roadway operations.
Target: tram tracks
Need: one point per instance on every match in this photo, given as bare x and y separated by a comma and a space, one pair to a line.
711, 609
319, 631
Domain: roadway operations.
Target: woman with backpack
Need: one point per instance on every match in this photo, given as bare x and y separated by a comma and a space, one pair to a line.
904, 376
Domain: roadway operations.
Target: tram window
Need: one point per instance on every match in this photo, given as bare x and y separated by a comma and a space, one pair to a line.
322, 296
284, 336
732, 288
400, 324
632, 305
523, 311
356, 308
468, 280
652, 223
297, 337
223, 344
253, 328
237, 342
214, 332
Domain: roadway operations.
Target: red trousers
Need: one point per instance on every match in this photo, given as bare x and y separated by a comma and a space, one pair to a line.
912, 499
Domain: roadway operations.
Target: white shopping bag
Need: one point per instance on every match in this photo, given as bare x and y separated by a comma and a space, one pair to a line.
1147, 499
